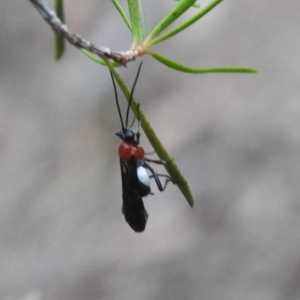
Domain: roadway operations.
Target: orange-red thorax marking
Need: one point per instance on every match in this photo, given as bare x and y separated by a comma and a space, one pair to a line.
127, 150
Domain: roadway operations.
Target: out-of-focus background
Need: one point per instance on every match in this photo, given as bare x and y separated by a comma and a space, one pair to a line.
236, 138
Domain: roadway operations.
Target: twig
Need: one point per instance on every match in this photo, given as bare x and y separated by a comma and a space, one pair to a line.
60, 28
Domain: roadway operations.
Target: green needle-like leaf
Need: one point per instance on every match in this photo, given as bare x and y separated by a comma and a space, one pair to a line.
180, 8
59, 40
186, 24
171, 167
138, 23
179, 67
122, 13
194, 5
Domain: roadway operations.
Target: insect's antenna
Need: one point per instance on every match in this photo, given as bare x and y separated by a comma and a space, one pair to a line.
131, 95
138, 126
117, 100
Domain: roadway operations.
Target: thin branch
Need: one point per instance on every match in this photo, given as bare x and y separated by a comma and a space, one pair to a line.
61, 29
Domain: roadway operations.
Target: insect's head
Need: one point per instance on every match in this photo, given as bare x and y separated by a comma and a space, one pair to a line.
127, 135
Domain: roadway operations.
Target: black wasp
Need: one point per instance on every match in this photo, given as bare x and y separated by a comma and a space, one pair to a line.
134, 165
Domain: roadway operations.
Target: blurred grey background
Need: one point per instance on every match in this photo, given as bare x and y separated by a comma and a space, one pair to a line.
235, 137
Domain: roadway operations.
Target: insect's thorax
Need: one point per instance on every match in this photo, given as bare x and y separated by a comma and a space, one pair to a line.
127, 150
129, 147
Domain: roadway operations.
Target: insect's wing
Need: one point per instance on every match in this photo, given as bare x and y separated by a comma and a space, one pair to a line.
133, 207
124, 168
135, 214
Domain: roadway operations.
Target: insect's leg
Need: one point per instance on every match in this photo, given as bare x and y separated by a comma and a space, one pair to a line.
150, 153
158, 161
168, 179
156, 178
132, 122
162, 175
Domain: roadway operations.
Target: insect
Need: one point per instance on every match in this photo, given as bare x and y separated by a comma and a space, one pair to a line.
134, 166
